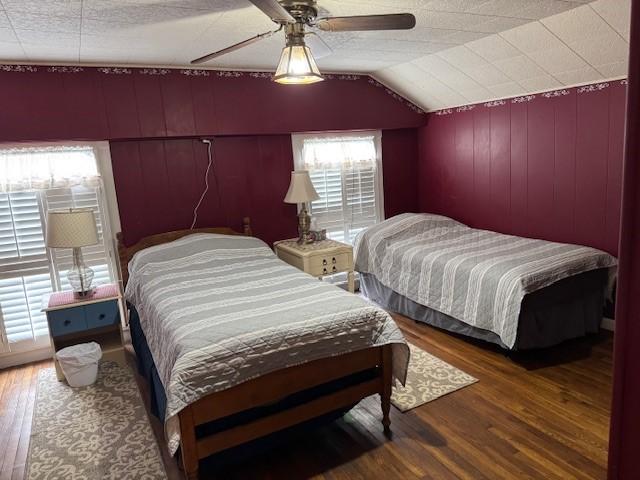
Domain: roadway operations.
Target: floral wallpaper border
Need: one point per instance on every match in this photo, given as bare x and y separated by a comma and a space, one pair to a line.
585, 89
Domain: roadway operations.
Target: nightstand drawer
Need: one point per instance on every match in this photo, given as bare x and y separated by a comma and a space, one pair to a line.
328, 264
102, 314
67, 320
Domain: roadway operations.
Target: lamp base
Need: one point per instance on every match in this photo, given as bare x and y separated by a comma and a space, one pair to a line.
80, 276
85, 294
304, 227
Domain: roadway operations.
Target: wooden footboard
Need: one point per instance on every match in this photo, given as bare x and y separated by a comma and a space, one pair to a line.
276, 386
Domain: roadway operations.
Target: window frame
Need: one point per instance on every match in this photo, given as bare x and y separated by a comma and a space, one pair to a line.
109, 216
297, 142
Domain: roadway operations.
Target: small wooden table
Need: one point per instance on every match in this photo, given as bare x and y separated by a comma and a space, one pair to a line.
320, 259
91, 319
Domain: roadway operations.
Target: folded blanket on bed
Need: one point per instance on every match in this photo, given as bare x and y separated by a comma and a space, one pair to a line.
219, 310
476, 276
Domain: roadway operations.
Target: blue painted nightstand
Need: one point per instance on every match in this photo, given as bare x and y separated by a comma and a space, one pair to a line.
91, 319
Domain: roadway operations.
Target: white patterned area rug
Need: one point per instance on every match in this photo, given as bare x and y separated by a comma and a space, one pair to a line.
428, 378
95, 432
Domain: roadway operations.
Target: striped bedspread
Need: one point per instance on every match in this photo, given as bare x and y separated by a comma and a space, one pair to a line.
476, 276
219, 310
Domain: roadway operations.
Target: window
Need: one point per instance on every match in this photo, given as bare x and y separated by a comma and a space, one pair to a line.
346, 171
33, 181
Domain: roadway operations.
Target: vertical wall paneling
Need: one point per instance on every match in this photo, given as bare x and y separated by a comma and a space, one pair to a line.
564, 185
178, 104
204, 109
464, 146
430, 189
84, 105
149, 104
447, 192
540, 166
233, 158
50, 122
518, 170
13, 87
185, 181
128, 173
154, 116
47, 103
592, 139
155, 189
120, 100
481, 208
249, 177
399, 167
500, 171
617, 104
545, 166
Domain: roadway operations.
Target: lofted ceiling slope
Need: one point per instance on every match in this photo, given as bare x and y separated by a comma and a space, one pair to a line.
461, 51
589, 43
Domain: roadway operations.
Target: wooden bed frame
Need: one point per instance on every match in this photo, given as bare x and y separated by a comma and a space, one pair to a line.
272, 387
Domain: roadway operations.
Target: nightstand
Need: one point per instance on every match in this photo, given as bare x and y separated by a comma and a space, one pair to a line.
92, 319
320, 259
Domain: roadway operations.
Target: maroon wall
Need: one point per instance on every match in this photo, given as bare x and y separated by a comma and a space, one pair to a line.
546, 166
40, 103
625, 415
400, 164
158, 182
155, 117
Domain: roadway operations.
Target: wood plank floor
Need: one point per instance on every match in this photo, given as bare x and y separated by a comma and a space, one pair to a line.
541, 415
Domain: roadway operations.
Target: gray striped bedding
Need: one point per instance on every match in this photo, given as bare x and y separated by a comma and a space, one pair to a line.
476, 276
219, 310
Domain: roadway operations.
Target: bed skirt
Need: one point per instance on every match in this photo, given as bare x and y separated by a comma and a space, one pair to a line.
570, 308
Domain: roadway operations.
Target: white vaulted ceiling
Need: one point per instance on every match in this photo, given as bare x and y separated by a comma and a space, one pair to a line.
586, 44
461, 51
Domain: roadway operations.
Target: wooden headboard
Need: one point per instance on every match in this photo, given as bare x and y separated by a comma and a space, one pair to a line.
125, 253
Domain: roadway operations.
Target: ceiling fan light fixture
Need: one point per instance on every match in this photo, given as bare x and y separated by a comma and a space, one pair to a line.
297, 66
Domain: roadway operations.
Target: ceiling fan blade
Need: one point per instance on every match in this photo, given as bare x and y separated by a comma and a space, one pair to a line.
273, 10
394, 21
318, 46
233, 48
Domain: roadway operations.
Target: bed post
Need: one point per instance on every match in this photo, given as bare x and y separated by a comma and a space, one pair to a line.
246, 227
188, 449
385, 391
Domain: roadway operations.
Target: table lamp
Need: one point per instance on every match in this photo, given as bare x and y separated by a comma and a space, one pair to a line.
74, 228
301, 191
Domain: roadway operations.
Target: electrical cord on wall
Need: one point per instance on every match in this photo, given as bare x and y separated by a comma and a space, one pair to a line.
206, 182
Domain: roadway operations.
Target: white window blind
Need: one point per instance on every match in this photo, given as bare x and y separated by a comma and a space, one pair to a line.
21, 235
29, 270
346, 171
24, 267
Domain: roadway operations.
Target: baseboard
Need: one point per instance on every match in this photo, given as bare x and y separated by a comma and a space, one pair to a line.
20, 358
608, 324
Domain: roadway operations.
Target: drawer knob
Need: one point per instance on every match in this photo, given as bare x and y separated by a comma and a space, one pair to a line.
101, 316
334, 268
333, 259
67, 323
324, 270
324, 261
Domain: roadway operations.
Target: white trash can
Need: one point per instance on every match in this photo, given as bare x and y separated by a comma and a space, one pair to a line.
79, 363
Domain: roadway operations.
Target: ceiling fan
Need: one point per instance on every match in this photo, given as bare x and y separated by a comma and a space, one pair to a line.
297, 65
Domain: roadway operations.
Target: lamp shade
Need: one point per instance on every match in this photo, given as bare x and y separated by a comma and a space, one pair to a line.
301, 189
71, 228
297, 66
